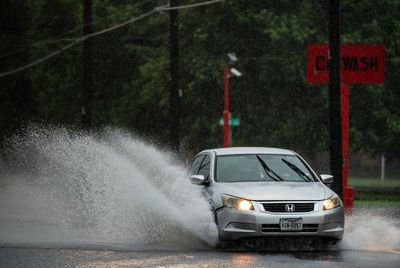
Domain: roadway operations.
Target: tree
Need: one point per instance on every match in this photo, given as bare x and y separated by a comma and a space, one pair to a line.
17, 104
131, 71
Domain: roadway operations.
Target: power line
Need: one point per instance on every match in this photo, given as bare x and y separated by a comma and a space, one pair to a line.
190, 5
78, 40
19, 69
119, 25
58, 39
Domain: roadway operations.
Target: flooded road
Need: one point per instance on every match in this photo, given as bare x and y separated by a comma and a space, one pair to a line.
29, 257
374, 244
370, 241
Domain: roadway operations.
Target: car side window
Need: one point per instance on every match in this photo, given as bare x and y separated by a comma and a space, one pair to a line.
205, 167
194, 167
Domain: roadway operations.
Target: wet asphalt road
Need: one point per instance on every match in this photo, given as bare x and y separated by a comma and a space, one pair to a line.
41, 257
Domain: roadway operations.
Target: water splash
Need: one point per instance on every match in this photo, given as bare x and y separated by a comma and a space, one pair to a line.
372, 229
68, 188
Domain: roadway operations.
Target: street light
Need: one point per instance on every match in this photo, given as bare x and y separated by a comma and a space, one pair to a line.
235, 72
232, 58
228, 72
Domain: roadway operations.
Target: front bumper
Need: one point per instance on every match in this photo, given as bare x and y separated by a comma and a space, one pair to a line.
236, 224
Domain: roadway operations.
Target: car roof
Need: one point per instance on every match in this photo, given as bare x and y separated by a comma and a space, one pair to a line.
250, 150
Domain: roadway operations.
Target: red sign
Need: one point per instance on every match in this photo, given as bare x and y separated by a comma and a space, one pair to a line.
360, 63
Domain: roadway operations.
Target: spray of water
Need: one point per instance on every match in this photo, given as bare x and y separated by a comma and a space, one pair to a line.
110, 189
372, 229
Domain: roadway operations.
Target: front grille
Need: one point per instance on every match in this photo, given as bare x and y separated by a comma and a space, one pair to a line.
275, 228
281, 207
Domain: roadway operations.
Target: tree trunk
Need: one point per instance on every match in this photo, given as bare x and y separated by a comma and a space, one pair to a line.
17, 102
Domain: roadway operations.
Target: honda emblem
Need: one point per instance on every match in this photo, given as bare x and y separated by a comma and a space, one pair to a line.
290, 207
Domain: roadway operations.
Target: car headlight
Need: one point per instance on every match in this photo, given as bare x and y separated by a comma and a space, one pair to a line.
236, 202
332, 202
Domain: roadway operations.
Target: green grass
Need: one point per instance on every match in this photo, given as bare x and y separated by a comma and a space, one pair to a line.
374, 192
376, 183
377, 203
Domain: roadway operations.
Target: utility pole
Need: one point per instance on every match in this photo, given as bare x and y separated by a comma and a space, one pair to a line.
226, 113
335, 127
228, 73
87, 86
174, 93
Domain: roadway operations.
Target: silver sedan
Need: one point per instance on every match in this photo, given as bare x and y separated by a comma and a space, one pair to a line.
263, 192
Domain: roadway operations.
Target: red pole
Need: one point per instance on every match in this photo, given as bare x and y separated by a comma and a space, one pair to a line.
226, 134
347, 191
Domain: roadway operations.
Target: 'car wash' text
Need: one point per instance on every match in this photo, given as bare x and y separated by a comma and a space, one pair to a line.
349, 63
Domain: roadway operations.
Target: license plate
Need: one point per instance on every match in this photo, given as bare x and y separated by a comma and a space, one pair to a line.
291, 224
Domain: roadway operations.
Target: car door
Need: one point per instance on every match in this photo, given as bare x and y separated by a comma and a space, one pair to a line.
205, 170
201, 165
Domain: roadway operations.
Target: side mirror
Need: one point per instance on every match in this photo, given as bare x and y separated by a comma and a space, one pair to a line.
198, 179
327, 179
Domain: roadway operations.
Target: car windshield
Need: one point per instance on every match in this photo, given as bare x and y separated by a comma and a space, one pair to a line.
262, 167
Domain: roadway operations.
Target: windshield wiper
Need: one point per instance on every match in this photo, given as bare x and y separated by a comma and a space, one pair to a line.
268, 170
297, 170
